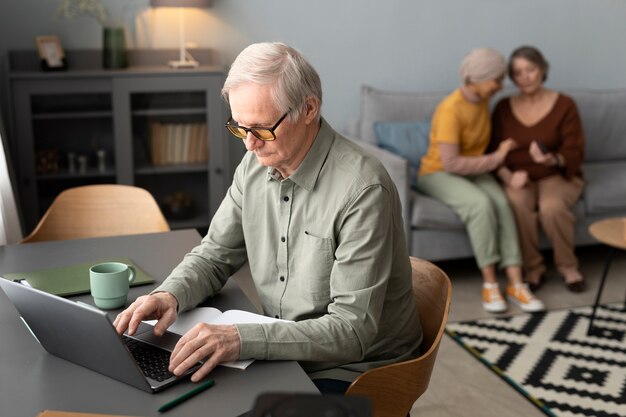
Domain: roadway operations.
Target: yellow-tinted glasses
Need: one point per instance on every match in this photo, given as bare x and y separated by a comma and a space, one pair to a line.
263, 133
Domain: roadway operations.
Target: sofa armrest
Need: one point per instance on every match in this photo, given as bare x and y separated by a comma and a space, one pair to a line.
398, 169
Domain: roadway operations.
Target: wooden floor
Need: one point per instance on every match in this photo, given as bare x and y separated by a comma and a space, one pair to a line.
460, 385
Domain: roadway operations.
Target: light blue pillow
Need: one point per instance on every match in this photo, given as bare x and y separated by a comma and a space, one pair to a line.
406, 139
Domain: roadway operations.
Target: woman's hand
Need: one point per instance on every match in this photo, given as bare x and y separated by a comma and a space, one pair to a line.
505, 147
538, 156
518, 179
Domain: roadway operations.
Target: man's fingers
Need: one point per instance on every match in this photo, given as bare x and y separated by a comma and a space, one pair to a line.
142, 312
204, 370
122, 320
190, 353
190, 335
164, 322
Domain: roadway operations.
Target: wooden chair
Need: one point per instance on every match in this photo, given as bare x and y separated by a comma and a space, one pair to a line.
98, 211
393, 389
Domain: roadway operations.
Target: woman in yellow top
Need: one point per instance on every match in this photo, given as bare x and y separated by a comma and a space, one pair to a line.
457, 172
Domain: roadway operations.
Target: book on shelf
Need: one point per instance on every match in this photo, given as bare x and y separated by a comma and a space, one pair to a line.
178, 143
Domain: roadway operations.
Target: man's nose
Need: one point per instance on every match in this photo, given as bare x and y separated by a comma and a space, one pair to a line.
251, 141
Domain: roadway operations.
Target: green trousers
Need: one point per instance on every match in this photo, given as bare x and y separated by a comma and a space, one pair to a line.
481, 204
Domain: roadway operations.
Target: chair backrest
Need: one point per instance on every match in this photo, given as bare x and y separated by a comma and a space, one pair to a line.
393, 389
98, 211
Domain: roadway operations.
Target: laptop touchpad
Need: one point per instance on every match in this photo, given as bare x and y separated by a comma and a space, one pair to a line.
145, 333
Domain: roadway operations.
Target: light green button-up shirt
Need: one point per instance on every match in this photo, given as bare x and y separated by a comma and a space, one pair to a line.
326, 248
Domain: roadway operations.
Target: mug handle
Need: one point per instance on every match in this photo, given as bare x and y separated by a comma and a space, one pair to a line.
131, 277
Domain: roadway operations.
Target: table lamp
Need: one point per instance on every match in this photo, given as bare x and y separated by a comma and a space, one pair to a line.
184, 60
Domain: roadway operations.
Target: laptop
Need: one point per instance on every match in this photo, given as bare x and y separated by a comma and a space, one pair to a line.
83, 334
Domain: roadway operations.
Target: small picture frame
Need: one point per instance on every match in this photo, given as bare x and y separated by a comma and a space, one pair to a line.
51, 53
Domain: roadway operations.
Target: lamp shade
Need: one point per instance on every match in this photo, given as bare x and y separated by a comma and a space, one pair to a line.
181, 3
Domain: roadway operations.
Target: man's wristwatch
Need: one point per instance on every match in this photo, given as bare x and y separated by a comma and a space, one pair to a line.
557, 161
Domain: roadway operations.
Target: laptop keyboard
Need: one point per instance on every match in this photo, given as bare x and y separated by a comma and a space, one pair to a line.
152, 360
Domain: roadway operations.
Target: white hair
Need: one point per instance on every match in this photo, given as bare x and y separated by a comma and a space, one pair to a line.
482, 64
293, 78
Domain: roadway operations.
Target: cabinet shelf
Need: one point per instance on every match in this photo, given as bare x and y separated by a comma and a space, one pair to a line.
85, 109
73, 115
170, 112
66, 175
170, 169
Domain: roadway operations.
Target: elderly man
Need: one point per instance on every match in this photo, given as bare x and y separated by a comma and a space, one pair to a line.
319, 222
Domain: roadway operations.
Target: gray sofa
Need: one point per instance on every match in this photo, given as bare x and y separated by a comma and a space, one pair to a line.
434, 231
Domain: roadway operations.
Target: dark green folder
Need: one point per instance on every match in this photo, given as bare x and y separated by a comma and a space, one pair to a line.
73, 279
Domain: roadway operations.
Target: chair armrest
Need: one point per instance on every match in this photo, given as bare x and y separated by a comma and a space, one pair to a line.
398, 169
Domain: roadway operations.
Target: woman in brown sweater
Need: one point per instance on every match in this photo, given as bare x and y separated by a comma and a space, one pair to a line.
542, 176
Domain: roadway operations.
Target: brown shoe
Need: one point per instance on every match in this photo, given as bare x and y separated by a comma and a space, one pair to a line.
535, 278
574, 280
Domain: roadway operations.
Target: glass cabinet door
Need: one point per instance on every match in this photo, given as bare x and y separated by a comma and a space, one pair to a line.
171, 145
68, 129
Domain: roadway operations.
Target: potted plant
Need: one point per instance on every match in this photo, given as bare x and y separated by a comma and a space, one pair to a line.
113, 36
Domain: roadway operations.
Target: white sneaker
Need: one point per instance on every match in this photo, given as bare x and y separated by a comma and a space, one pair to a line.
493, 301
521, 295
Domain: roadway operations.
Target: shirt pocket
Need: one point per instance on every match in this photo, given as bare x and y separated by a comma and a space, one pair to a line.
316, 265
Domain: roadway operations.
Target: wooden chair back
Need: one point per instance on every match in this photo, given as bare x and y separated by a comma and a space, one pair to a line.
393, 389
98, 211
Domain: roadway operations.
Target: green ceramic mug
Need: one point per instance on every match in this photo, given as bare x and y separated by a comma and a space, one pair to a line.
110, 283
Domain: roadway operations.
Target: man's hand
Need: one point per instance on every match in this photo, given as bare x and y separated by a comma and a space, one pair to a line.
160, 306
518, 179
210, 342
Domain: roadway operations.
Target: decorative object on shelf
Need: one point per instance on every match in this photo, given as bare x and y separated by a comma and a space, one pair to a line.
178, 206
47, 161
71, 162
51, 53
82, 164
114, 53
185, 60
102, 160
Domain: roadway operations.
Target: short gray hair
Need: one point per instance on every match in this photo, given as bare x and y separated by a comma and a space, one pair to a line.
294, 79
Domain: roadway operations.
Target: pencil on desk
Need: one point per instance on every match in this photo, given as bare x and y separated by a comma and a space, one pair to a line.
186, 396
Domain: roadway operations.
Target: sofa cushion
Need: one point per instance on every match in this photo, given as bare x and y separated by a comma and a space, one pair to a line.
603, 115
428, 213
406, 139
605, 187
391, 106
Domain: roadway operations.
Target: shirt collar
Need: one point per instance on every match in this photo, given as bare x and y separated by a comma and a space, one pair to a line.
307, 173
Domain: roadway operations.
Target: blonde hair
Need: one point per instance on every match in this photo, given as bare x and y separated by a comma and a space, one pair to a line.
274, 63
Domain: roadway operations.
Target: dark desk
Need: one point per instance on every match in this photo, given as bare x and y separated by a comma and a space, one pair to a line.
32, 380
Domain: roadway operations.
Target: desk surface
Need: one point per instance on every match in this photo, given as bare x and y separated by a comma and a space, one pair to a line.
32, 380
611, 232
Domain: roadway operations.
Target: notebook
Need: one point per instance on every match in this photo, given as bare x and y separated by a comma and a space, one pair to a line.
73, 279
83, 334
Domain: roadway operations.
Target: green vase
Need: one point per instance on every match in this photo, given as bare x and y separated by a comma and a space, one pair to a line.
114, 48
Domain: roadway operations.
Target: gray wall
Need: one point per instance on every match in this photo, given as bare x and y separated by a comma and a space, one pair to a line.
390, 44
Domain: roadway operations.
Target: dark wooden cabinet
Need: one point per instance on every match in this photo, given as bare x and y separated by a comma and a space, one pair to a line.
147, 125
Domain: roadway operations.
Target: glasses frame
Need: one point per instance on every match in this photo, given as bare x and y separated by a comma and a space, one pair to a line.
233, 128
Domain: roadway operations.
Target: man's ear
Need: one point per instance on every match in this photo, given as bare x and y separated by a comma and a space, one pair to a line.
311, 109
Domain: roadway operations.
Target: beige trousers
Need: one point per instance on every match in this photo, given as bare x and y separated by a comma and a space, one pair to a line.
546, 203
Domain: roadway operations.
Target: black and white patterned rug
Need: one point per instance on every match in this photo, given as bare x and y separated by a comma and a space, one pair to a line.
549, 358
